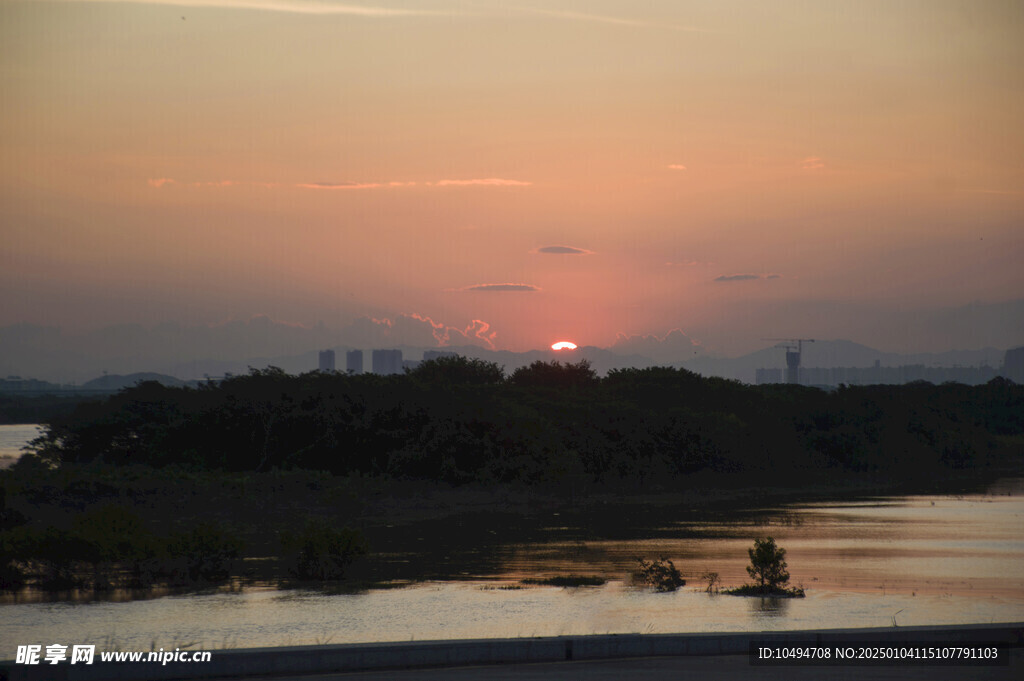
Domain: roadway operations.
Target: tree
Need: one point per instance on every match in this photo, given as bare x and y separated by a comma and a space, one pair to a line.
555, 375
768, 565
458, 370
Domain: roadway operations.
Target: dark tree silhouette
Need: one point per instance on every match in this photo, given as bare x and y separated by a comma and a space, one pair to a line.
555, 375
768, 565
458, 370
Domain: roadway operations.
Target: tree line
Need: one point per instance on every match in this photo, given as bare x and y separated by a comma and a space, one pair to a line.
463, 420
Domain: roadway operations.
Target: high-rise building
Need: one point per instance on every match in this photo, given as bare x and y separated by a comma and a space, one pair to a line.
354, 361
387, 362
1013, 365
326, 360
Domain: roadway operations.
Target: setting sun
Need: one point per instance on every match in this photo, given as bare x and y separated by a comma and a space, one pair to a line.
563, 345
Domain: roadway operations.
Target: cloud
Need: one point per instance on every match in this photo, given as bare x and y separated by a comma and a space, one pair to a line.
1008, 192
490, 181
477, 333
157, 183
746, 277
564, 250
415, 330
676, 166
487, 182
438, 329
316, 7
737, 277
811, 163
340, 185
501, 287
604, 19
673, 346
236, 183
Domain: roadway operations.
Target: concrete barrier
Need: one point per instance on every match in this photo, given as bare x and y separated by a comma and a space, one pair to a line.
297, 660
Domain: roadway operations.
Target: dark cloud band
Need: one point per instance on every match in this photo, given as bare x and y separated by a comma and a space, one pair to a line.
746, 277
564, 250
502, 287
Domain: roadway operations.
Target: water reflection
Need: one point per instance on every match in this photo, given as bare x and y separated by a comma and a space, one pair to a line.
769, 607
12, 440
930, 559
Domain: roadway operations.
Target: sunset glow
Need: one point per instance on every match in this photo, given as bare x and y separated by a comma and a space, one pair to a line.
609, 168
563, 345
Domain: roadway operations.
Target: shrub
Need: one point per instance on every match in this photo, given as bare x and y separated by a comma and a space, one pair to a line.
48, 553
661, 574
322, 552
713, 580
113, 536
11, 575
207, 552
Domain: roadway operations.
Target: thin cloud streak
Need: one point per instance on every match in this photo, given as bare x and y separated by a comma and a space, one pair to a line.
160, 182
564, 250
490, 182
1004, 192
287, 6
340, 185
603, 19
746, 277
501, 287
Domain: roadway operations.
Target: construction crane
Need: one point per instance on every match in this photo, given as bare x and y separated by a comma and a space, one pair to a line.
794, 347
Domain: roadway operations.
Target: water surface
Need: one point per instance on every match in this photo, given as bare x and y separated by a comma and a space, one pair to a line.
12, 439
916, 560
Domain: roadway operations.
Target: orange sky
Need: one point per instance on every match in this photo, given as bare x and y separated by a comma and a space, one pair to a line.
733, 169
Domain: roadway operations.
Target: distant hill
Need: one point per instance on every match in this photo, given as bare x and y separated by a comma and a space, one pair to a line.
117, 382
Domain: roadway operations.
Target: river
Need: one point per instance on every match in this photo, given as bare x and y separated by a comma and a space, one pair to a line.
887, 561
12, 439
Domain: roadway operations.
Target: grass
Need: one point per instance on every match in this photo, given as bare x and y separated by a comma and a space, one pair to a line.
752, 590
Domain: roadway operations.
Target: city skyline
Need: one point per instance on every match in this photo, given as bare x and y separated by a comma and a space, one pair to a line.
698, 174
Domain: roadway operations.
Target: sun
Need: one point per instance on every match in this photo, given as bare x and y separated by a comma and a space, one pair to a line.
563, 345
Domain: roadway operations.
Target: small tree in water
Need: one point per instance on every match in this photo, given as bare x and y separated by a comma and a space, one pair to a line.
768, 565
662, 574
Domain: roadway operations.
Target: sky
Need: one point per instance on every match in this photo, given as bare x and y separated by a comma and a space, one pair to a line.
518, 172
